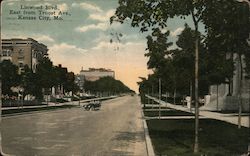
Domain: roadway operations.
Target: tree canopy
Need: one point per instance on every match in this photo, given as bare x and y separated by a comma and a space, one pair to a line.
10, 77
106, 85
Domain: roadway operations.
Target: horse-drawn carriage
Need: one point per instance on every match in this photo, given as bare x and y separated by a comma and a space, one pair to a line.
93, 105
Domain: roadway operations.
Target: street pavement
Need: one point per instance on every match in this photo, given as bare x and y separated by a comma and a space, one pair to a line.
230, 117
115, 130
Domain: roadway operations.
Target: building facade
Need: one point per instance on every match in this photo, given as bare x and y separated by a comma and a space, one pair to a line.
94, 74
23, 52
228, 96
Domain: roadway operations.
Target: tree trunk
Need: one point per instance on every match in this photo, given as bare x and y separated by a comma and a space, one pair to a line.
174, 95
152, 95
239, 91
159, 98
166, 98
217, 97
191, 95
196, 142
148, 100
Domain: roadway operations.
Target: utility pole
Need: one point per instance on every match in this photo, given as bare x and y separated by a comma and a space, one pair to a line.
159, 98
1, 149
196, 140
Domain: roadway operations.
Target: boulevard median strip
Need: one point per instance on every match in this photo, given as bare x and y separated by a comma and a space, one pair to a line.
26, 110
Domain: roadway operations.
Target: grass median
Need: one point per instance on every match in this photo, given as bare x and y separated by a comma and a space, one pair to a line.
25, 110
169, 112
176, 137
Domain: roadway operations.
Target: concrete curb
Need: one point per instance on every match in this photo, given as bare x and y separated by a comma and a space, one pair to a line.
149, 146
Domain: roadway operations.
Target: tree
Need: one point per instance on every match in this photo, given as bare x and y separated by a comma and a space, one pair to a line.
30, 83
106, 84
10, 77
229, 25
70, 84
216, 15
153, 13
45, 73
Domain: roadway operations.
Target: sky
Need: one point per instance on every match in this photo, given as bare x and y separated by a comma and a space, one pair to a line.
79, 37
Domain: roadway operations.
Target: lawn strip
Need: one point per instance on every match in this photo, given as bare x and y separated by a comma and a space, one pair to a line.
24, 110
217, 138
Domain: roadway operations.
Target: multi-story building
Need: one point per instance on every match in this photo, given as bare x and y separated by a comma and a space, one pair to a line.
94, 74
23, 52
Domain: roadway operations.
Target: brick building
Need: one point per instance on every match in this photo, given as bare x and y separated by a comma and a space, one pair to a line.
23, 52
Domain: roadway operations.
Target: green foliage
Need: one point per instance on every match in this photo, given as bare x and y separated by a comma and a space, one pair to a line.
227, 29
9, 76
45, 77
30, 83
46, 74
70, 84
106, 84
157, 47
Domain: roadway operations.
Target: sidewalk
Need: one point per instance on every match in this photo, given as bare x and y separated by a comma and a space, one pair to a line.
230, 118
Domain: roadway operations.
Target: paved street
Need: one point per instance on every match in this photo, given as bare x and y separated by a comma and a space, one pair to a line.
115, 130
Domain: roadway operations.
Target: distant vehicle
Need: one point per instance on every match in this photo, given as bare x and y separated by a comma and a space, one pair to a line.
93, 105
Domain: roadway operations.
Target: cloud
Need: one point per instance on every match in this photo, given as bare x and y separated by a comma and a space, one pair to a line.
65, 50
99, 26
118, 46
44, 38
176, 32
66, 54
11, 3
103, 17
102, 45
63, 7
87, 6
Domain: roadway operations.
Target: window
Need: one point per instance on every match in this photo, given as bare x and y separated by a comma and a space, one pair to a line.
6, 52
21, 65
21, 52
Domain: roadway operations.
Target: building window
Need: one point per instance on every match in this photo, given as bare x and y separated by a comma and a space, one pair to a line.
20, 65
34, 55
21, 52
6, 52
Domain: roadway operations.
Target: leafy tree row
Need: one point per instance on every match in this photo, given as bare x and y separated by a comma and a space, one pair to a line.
199, 60
226, 25
106, 85
38, 83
